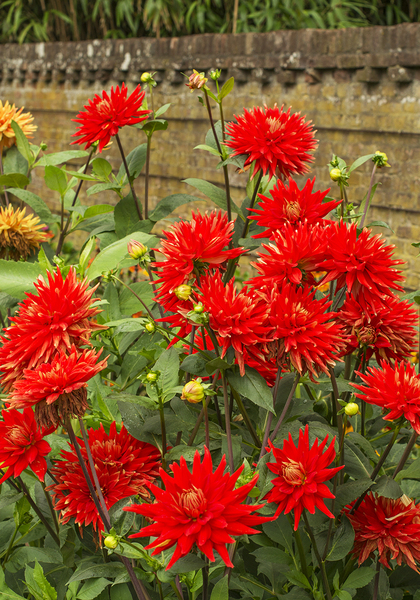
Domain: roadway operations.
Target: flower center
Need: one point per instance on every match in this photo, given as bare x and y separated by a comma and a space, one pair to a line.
193, 502
17, 437
366, 335
273, 125
294, 473
292, 210
104, 108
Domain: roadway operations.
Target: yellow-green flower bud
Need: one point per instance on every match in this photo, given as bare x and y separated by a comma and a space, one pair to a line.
193, 391
183, 292
335, 174
196, 80
111, 542
215, 74
150, 327
351, 409
136, 249
151, 377
198, 309
380, 159
43, 146
146, 77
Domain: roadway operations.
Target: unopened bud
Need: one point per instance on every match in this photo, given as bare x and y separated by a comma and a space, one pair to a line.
150, 327
136, 249
111, 542
145, 77
43, 146
335, 174
196, 80
198, 309
351, 409
380, 159
183, 292
193, 391
215, 74
151, 377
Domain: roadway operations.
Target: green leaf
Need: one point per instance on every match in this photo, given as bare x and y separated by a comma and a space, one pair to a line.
216, 194
253, 386
48, 592
127, 219
103, 187
268, 554
379, 224
9, 498
359, 161
167, 205
97, 209
221, 590
92, 588
79, 174
194, 364
213, 151
135, 161
22, 143
5, 592
342, 542
280, 532
59, 158
359, 578
110, 570
346, 493
109, 258
227, 88
299, 579
27, 554
153, 125
14, 180
16, 278
168, 366
388, 487
144, 401
55, 179
162, 110
36, 203
85, 255
101, 168
14, 162
210, 141
412, 472
186, 564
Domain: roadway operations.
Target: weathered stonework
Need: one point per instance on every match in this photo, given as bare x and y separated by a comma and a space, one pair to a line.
361, 87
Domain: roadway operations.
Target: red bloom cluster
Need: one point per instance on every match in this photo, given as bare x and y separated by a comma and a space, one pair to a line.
22, 444
201, 507
301, 474
277, 141
390, 527
396, 389
289, 204
41, 356
124, 467
104, 116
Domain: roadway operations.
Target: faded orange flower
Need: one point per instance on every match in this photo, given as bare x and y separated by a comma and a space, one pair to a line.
9, 113
19, 234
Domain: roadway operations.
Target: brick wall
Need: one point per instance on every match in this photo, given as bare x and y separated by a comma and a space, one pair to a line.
361, 87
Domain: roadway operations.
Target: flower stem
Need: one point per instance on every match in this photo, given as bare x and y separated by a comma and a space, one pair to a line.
336, 396
378, 572
147, 175
205, 572
94, 474
286, 407
163, 431
254, 197
6, 197
227, 421
206, 423
133, 193
318, 557
64, 230
246, 418
301, 551
219, 148
176, 590
270, 415
53, 513
406, 454
362, 221
136, 295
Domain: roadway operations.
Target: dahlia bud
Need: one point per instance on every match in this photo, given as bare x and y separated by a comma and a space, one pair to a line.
335, 174
136, 249
150, 327
380, 159
198, 308
43, 146
196, 80
145, 77
193, 391
183, 292
111, 542
351, 409
151, 377
215, 74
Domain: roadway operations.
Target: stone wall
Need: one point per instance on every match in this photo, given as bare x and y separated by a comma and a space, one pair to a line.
361, 87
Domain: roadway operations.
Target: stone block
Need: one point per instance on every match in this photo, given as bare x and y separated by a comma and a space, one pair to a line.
400, 74
368, 75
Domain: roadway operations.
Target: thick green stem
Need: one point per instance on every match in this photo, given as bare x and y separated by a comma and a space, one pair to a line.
246, 418
147, 176
286, 407
136, 295
270, 415
10, 546
253, 199
406, 454
206, 423
205, 572
321, 563
227, 421
362, 221
377, 575
52, 511
133, 193
163, 431
301, 551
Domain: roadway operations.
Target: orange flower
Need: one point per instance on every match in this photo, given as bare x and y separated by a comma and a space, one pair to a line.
9, 113
19, 235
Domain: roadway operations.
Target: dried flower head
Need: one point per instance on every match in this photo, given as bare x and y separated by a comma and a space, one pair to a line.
19, 234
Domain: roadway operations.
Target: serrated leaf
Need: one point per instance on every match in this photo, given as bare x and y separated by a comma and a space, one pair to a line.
359, 578
168, 367
109, 570
59, 158
253, 386
49, 593
14, 180
342, 542
299, 579
388, 487
5, 592
36, 203
92, 588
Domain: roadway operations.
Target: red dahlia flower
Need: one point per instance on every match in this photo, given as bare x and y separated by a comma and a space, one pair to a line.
289, 204
274, 139
123, 464
384, 327
303, 334
198, 507
52, 321
293, 254
236, 318
301, 472
362, 263
22, 444
104, 116
58, 389
390, 526
394, 388
192, 247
